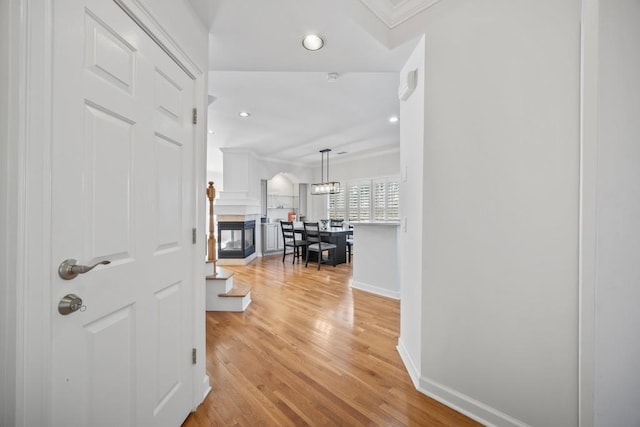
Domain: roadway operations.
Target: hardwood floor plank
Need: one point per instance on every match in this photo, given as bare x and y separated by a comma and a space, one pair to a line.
310, 350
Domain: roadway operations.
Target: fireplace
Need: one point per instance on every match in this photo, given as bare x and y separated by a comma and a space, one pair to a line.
236, 239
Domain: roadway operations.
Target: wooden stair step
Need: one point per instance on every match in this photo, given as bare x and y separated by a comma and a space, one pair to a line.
238, 290
223, 274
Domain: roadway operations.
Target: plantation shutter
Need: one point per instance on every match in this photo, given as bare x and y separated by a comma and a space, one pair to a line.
364, 200
393, 201
353, 203
359, 202
377, 200
336, 205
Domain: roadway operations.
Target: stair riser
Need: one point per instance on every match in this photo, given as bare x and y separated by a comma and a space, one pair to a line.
222, 284
219, 286
236, 304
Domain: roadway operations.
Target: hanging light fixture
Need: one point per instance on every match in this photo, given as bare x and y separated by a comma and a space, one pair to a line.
325, 187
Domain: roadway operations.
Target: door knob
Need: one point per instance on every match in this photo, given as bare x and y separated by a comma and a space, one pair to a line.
69, 270
70, 303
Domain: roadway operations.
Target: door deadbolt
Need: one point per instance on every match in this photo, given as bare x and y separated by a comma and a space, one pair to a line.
69, 304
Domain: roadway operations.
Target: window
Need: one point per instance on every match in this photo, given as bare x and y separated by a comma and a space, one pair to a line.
393, 201
386, 200
377, 200
336, 206
359, 201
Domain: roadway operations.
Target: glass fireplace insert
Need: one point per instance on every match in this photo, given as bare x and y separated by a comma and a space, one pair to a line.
236, 239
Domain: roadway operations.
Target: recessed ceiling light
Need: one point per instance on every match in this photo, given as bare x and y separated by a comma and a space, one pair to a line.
312, 42
393, 119
244, 114
210, 131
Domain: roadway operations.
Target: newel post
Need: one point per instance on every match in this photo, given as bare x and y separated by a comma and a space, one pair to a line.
211, 252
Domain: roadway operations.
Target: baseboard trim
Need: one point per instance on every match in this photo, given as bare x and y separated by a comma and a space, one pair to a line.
375, 290
466, 405
237, 261
200, 392
409, 364
455, 400
206, 387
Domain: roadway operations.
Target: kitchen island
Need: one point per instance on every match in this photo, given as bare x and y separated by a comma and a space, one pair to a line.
334, 235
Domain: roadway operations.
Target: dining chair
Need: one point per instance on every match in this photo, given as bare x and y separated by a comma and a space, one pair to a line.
290, 241
350, 243
315, 243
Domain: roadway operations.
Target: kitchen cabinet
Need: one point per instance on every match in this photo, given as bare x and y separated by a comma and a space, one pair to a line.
271, 238
263, 198
302, 200
279, 239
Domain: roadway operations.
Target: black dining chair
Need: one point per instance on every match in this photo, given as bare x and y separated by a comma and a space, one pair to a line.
350, 243
315, 243
291, 241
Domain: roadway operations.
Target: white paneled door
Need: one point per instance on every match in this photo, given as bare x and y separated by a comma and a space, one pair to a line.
122, 183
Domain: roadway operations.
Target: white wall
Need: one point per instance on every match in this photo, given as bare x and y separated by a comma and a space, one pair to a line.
8, 212
500, 203
184, 26
410, 238
242, 173
297, 173
317, 207
237, 170
280, 193
217, 178
280, 185
617, 340
370, 166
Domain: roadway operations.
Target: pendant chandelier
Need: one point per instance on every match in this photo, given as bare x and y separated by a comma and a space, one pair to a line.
325, 187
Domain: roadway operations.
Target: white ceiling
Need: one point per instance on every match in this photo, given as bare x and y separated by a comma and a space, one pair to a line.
257, 64
395, 12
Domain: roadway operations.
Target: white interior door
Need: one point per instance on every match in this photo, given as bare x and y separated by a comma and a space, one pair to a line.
122, 191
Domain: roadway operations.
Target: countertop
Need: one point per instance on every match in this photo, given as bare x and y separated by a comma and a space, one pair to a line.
394, 223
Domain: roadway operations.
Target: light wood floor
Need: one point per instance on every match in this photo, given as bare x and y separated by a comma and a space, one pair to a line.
310, 350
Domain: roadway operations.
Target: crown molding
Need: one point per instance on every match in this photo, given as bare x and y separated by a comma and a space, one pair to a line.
393, 12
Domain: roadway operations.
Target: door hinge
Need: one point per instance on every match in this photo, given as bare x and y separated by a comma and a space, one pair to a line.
195, 116
194, 235
194, 356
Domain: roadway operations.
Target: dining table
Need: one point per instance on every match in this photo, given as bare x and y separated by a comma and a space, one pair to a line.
334, 235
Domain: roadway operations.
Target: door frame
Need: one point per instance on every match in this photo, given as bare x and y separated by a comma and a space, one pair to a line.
25, 255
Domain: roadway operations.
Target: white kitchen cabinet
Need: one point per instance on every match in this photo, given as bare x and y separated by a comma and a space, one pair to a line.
271, 238
280, 238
